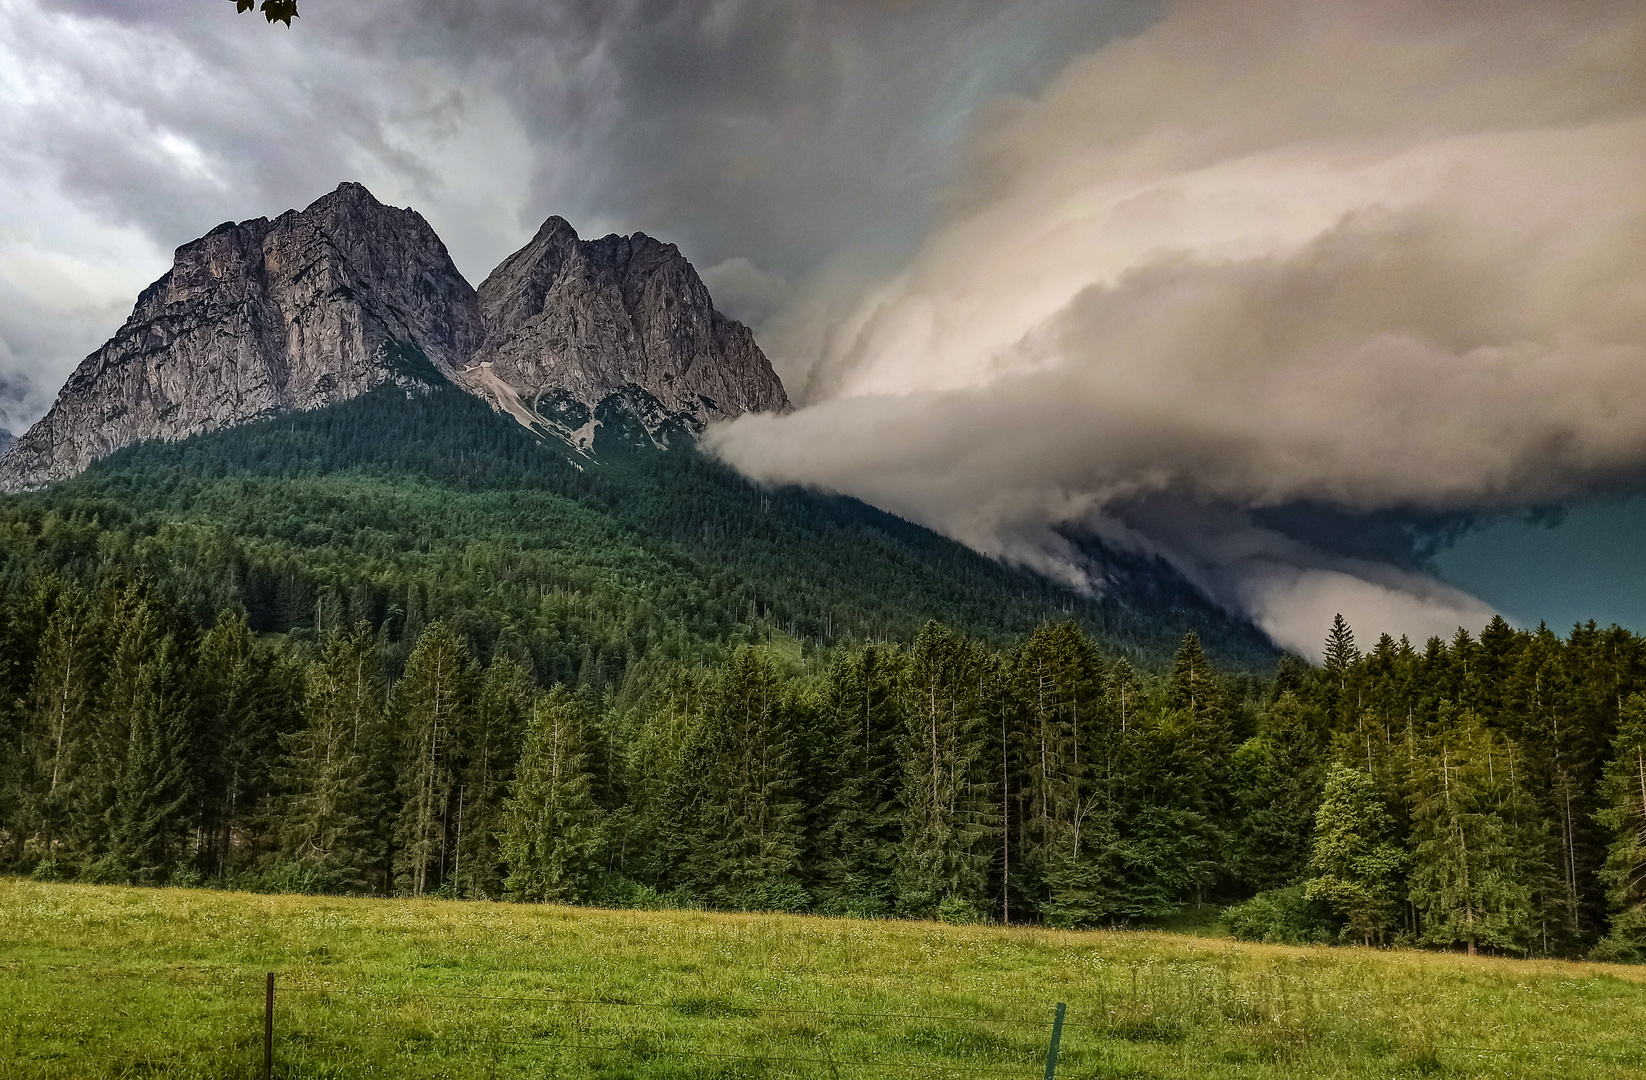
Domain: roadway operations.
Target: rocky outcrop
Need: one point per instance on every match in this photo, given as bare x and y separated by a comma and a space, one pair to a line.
581, 323
314, 307
324, 304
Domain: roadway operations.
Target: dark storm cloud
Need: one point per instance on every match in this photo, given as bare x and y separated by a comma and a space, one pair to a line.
772, 137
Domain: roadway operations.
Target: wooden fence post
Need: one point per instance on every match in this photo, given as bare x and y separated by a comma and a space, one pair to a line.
1057, 1037
268, 1028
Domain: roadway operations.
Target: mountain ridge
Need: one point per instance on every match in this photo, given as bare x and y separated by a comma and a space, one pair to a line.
323, 304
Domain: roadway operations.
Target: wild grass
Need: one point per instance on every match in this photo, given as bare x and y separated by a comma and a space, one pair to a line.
116, 982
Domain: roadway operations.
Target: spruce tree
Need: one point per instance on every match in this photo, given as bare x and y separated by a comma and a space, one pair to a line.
243, 710
1277, 777
550, 828
748, 827
1057, 677
491, 745
1340, 654
1475, 851
1623, 815
152, 784
1355, 867
948, 804
57, 717
329, 804
860, 727
1202, 731
430, 708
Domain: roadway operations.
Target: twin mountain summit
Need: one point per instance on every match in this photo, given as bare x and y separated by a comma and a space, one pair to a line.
348, 297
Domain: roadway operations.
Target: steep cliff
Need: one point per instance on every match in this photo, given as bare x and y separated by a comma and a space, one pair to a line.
574, 324
314, 307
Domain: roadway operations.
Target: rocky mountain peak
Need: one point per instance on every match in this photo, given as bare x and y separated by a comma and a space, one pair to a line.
259, 317
572, 324
326, 303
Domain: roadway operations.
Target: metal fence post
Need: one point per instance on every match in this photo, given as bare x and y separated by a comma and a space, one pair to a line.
268, 1028
1057, 1037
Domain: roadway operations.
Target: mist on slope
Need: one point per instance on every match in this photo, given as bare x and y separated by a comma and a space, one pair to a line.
1364, 256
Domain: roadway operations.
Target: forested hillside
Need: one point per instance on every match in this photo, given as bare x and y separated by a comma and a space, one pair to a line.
1483, 794
401, 646
399, 509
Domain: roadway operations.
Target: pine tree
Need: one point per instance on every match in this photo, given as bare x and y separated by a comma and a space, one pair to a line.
430, 707
1278, 776
325, 819
1355, 866
947, 797
57, 717
748, 828
1475, 852
1623, 815
491, 746
550, 828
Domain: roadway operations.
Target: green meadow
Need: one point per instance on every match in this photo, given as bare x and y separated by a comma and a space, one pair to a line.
100, 981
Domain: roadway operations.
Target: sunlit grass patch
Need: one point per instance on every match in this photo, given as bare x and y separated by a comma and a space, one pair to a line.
105, 982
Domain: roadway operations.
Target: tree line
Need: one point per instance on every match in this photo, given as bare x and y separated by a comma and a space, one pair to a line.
1475, 794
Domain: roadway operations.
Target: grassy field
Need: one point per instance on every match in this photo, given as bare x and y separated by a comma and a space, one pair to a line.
98, 981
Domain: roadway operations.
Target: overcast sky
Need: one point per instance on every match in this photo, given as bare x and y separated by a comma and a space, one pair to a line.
1033, 270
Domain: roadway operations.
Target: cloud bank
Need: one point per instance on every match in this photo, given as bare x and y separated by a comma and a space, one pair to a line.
766, 137
1367, 256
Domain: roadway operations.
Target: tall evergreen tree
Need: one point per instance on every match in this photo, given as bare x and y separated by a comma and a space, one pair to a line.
57, 718
748, 828
1475, 853
491, 745
1278, 776
550, 828
244, 708
1624, 816
330, 801
430, 707
947, 795
1355, 866
860, 725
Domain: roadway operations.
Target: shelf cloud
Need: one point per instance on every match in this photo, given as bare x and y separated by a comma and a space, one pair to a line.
1370, 257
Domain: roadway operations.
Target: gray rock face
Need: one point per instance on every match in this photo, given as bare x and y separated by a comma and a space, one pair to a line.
6, 439
314, 307
624, 318
324, 304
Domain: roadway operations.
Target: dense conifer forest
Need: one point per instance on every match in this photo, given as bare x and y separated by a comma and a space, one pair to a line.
397, 648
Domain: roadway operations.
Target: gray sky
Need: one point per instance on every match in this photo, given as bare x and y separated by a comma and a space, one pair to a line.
1033, 269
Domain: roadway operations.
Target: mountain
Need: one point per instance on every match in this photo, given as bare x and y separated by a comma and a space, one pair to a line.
399, 509
317, 414
314, 307
324, 304
6, 439
572, 324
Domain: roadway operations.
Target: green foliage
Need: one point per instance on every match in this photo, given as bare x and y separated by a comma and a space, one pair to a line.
1287, 916
550, 834
431, 708
1475, 849
1355, 869
1624, 816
